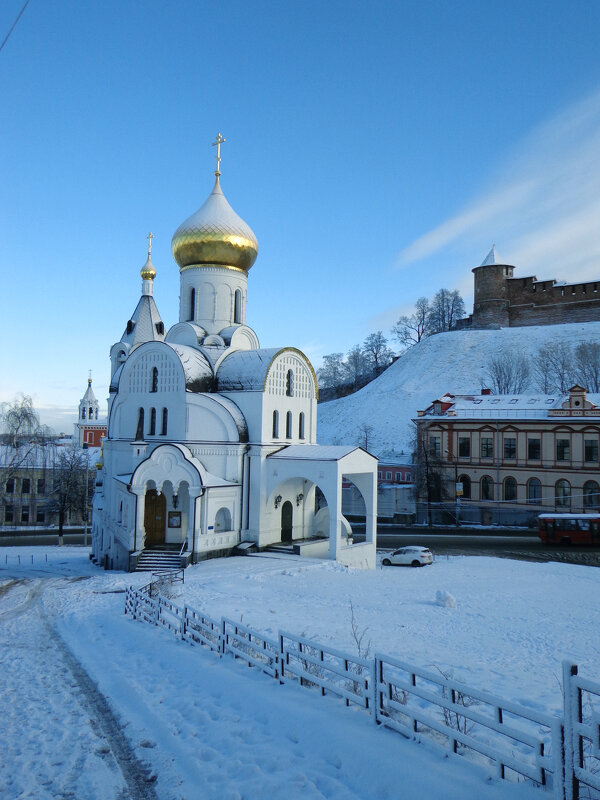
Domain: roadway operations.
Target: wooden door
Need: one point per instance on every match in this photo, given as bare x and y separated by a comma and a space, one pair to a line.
287, 513
155, 518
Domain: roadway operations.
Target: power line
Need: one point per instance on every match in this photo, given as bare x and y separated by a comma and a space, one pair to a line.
14, 25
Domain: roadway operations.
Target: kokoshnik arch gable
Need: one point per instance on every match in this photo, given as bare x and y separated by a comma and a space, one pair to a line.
212, 439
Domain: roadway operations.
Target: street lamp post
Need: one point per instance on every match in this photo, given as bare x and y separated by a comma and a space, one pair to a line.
458, 489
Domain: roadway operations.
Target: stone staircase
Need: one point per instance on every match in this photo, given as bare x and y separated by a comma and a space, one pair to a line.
156, 560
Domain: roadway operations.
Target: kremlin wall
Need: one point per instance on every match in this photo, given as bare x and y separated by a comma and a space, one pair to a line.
503, 301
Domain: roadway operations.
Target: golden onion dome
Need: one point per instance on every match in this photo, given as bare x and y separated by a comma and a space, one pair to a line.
148, 272
215, 235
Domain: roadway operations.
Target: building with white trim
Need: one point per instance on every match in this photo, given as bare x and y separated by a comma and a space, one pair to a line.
504, 459
211, 439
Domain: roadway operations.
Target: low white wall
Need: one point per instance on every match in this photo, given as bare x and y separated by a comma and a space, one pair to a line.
318, 549
360, 555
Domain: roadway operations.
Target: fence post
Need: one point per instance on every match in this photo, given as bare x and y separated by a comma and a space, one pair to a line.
281, 659
157, 609
571, 784
222, 637
373, 687
183, 623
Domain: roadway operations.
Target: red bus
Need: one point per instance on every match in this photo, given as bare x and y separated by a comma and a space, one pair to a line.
569, 528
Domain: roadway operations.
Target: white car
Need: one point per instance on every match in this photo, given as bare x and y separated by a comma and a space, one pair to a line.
412, 556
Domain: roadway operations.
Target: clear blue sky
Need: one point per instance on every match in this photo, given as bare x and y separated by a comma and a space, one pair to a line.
377, 149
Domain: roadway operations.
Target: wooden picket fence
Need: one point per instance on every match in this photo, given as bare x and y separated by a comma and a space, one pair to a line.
559, 754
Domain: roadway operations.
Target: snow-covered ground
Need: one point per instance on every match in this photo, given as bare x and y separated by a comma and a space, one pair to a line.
455, 362
199, 727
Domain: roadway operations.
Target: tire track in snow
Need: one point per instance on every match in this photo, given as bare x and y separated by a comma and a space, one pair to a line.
136, 776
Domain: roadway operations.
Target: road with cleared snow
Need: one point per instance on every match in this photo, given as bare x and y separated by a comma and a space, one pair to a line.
55, 712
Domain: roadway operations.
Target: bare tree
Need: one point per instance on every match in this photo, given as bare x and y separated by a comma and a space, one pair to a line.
20, 422
508, 373
411, 329
377, 353
355, 366
543, 373
365, 430
447, 307
561, 360
430, 479
332, 372
69, 490
587, 365
22, 436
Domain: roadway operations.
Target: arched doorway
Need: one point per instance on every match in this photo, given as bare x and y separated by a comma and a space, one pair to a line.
287, 513
155, 512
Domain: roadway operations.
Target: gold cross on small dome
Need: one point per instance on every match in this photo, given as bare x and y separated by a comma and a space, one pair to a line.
218, 142
150, 237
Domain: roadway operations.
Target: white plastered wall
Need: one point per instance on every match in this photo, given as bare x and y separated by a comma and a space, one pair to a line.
214, 293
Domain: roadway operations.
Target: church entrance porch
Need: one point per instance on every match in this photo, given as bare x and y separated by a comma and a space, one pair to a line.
155, 512
293, 475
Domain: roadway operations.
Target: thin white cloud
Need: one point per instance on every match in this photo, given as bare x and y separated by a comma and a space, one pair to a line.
474, 216
543, 211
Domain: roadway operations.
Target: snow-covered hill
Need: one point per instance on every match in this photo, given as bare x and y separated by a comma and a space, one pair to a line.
453, 362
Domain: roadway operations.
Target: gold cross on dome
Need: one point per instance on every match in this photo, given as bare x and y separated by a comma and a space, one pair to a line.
218, 142
150, 237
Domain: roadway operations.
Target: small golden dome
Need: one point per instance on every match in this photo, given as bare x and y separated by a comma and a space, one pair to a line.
148, 272
215, 235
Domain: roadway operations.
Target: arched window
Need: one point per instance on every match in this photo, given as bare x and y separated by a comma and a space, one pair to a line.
223, 520
301, 425
591, 495
152, 429
237, 306
96, 414
83, 413
139, 434
562, 492
154, 381
487, 488
289, 383
165, 417
276, 424
192, 304
534, 491
288, 425
466, 486
90, 413
121, 511
510, 489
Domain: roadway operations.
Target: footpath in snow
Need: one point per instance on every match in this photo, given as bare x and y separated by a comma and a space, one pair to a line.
204, 727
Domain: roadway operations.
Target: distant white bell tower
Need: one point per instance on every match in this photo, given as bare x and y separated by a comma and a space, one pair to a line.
88, 405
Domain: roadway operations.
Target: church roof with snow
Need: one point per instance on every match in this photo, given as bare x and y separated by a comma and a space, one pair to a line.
195, 366
245, 370
145, 324
316, 452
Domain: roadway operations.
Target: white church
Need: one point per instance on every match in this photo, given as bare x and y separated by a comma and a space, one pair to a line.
211, 443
